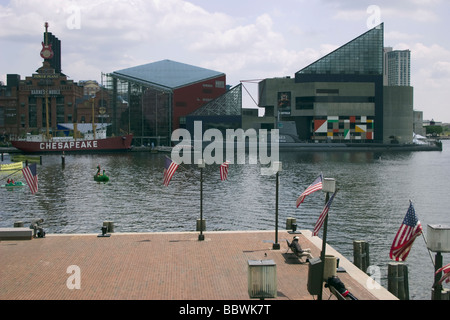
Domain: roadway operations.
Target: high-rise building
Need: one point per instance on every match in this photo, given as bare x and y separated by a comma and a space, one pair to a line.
398, 67
385, 65
55, 61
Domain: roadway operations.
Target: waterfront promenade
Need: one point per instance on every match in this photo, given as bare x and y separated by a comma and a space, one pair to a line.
162, 266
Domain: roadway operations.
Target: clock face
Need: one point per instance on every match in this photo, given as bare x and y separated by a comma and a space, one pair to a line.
46, 54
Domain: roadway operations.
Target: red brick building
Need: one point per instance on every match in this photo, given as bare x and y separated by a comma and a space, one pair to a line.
161, 95
25, 103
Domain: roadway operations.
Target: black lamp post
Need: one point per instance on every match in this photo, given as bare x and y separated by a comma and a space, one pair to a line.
438, 241
277, 167
201, 165
328, 186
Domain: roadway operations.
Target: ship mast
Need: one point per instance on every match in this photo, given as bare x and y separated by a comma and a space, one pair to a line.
93, 116
46, 91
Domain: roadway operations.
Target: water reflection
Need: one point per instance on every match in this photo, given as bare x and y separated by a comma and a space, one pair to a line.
374, 193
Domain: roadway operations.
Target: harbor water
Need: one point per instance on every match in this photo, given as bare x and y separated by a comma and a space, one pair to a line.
374, 193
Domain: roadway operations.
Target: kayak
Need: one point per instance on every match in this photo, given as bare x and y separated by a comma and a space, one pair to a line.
101, 177
26, 158
11, 166
15, 184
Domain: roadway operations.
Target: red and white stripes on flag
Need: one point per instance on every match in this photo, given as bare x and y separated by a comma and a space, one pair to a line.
316, 185
446, 276
408, 232
323, 215
169, 169
224, 170
30, 174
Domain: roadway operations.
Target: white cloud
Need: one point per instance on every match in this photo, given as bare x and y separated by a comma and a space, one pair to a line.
244, 41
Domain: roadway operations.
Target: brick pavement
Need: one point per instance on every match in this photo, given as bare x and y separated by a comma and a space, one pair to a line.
160, 266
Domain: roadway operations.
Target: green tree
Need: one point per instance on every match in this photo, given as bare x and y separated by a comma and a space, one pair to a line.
433, 130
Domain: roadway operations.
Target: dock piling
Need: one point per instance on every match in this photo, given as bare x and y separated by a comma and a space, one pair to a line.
398, 280
109, 226
361, 257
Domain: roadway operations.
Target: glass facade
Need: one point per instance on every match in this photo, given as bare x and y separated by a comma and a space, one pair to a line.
363, 56
228, 104
141, 109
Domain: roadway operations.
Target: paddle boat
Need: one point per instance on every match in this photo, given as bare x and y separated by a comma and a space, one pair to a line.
100, 177
13, 184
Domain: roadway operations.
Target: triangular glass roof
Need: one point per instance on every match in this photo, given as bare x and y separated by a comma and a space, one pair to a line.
228, 104
363, 55
166, 74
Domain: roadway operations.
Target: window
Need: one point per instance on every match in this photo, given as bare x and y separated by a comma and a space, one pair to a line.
60, 117
327, 91
32, 112
304, 103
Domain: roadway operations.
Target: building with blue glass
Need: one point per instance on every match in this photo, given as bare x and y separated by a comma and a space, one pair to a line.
341, 98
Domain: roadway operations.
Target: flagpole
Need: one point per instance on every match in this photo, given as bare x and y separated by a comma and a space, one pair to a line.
426, 244
179, 165
322, 253
429, 252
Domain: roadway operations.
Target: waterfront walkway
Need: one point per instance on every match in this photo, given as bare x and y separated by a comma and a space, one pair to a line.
162, 266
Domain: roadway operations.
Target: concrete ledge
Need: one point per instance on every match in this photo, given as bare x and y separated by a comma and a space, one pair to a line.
357, 274
16, 234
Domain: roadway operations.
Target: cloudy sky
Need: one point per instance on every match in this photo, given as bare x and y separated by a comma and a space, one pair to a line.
245, 39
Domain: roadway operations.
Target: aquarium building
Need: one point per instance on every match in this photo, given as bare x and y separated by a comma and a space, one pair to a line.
160, 95
341, 98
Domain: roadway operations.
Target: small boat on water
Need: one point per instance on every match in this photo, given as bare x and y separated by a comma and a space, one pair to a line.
100, 177
11, 166
13, 184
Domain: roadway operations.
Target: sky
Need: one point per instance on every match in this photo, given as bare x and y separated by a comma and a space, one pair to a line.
248, 40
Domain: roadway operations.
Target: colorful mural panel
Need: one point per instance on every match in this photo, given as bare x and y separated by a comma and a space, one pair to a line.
343, 128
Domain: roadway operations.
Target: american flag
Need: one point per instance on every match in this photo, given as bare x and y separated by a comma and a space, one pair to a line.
323, 215
316, 185
169, 169
446, 276
224, 170
409, 230
30, 174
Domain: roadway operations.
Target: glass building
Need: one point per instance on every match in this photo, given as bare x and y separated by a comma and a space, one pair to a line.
340, 97
361, 56
153, 99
